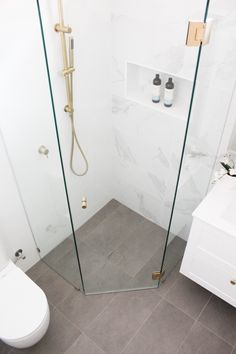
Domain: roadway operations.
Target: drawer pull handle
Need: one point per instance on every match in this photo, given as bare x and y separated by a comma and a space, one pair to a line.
233, 282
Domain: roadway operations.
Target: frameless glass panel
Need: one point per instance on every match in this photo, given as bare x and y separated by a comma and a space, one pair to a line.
133, 144
30, 138
211, 122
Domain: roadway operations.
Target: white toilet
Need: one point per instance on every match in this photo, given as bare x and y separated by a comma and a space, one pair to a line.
24, 310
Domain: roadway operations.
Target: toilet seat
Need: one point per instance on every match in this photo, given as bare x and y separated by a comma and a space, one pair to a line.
23, 308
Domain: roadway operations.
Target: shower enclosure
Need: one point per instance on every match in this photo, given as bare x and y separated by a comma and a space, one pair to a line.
123, 224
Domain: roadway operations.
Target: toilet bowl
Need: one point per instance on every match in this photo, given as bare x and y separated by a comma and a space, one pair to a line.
24, 310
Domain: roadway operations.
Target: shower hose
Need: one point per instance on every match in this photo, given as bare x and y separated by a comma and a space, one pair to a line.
74, 142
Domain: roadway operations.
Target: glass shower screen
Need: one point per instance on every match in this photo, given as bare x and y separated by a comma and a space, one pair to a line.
134, 83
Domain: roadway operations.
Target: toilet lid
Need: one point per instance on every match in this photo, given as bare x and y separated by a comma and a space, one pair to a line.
23, 305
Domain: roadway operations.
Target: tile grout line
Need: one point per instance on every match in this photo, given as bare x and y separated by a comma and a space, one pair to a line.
82, 333
100, 313
217, 335
141, 326
77, 327
194, 322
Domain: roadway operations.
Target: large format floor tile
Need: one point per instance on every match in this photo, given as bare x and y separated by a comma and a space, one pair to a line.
113, 230
188, 296
202, 341
162, 333
54, 286
37, 270
4, 349
220, 317
118, 248
82, 310
121, 319
96, 219
59, 337
84, 345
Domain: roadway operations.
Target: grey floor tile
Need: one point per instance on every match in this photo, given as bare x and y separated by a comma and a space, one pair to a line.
202, 341
188, 296
162, 333
121, 319
68, 268
81, 309
4, 348
113, 230
54, 286
174, 253
95, 220
137, 249
37, 270
220, 317
108, 278
84, 345
169, 280
91, 260
59, 252
59, 337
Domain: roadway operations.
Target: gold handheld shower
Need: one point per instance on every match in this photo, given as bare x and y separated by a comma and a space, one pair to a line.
68, 62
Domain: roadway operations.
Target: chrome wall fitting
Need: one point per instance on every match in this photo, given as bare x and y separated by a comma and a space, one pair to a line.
43, 150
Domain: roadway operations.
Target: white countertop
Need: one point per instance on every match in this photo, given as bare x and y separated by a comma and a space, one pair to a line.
218, 208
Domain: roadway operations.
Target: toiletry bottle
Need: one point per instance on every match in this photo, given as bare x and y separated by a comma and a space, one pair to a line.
169, 93
156, 89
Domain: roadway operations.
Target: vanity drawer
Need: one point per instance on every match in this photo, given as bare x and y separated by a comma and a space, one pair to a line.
215, 241
214, 273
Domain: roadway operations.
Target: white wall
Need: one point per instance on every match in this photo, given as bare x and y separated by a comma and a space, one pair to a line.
90, 22
148, 143
27, 121
15, 232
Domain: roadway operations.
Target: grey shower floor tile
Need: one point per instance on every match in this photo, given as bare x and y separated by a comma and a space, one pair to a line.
140, 245
113, 230
96, 219
119, 249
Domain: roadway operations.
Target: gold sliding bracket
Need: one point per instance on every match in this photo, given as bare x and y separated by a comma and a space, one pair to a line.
195, 34
157, 275
62, 28
68, 71
68, 109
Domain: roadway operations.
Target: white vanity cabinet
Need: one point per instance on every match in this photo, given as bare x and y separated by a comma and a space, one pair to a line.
210, 255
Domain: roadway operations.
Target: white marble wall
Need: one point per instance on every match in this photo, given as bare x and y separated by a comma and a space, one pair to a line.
147, 143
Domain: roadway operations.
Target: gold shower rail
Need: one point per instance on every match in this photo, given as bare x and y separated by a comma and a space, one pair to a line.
68, 63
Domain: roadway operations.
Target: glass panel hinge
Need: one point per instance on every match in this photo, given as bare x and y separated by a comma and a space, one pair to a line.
198, 33
157, 275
